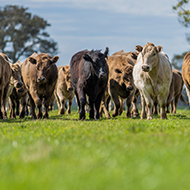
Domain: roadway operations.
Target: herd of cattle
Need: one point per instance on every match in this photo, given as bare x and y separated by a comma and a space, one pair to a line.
94, 77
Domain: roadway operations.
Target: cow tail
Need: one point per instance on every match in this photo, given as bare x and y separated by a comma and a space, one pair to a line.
182, 98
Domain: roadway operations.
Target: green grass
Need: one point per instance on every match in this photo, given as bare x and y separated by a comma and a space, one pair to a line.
108, 154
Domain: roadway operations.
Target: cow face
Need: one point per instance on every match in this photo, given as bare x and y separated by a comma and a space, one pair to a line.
69, 84
43, 64
125, 77
16, 78
97, 59
149, 55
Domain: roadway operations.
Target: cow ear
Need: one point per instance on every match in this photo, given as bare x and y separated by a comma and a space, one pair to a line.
63, 69
159, 49
118, 71
87, 58
139, 48
32, 60
55, 59
106, 52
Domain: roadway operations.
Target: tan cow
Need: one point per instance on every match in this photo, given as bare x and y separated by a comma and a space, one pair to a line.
133, 56
40, 76
152, 76
16, 78
186, 73
64, 89
120, 83
5, 75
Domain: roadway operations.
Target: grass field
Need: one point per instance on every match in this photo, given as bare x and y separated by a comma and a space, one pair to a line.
108, 154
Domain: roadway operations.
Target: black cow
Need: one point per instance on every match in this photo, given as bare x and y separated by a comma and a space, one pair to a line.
89, 74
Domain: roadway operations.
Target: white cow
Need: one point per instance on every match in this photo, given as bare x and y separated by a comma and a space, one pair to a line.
152, 76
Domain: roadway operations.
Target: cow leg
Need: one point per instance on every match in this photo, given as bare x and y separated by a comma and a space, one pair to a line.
47, 100
5, 101
172, 106
17, 107
116, 102
91, 112
1, 101
155, 108
61, 99
121, 108
97, 104
12, 107
23, 103
167, 107
77, 100
32, 106
134, 111
149, 104
69, 106
104, 106
143, 113
128, 103
176, 102
82, 102
82, 108
38, 103
162, 102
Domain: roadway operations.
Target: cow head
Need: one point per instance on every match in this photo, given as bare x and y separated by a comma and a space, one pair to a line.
97, 59
69, 84
16, 77
43, 64
124, 74
149, 55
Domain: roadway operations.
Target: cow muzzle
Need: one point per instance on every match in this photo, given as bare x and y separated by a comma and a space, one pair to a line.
18, 85
130, 88
70, 89
146, 68
102, 76
41, 80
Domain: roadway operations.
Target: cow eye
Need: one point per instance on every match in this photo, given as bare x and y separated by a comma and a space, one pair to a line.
44, 58
154, 54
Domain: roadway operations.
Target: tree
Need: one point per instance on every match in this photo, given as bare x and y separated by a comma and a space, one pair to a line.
184, 19
21, 34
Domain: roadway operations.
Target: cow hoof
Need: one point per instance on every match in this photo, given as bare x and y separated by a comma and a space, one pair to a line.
143, 116
149, 117
69, 111
108, 116
61, 112
114, 114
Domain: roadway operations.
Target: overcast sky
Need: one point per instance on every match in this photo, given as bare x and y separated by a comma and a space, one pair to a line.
117, 24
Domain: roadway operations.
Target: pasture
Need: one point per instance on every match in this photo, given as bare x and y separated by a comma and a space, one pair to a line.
118, 153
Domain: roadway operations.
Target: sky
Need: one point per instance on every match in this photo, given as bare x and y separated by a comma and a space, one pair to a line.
117, 24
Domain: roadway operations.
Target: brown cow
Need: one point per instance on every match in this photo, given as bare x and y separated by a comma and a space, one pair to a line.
5, 75
175, 91
120, 83
64, 89
40, 76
